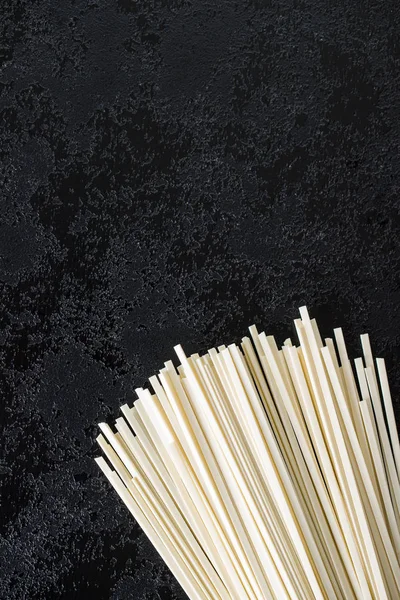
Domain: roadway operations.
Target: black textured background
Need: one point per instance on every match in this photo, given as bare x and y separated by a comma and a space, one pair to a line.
173, 172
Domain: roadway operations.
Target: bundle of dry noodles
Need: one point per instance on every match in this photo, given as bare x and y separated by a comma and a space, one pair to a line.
266, 473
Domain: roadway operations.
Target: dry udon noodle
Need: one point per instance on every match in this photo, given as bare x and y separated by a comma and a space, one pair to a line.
259, 472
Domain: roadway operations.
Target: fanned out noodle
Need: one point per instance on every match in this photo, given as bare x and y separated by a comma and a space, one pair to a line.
266, 473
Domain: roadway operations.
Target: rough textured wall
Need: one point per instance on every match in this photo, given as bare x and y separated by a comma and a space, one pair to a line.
173, 172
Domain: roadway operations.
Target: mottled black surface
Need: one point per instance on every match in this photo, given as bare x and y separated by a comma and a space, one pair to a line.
173, 172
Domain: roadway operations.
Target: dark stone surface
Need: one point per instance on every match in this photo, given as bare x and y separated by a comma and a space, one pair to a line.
173, 172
